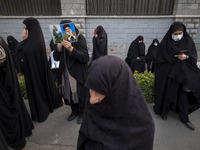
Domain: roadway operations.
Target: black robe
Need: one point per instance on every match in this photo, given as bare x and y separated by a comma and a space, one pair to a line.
77, 62
171, 73
15, 122
121, 121
136, 50
41, 89
100, 43
3, 144
19, 57
151, 55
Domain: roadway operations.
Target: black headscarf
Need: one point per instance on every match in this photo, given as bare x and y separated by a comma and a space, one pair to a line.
172, 73
12, 43
15, 122
100, 43
121, 121
40, 87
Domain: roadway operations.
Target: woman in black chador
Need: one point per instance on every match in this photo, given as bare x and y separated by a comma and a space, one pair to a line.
72, 73
136, 55
151, 55
15, 122
40, 87
99, 43
177, 76
12, 44
116, 116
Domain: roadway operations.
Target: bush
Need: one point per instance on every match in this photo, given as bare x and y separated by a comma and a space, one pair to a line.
146, 83
22, 85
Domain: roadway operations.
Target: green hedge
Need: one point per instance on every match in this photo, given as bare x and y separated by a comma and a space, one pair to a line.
146, 83
22, 85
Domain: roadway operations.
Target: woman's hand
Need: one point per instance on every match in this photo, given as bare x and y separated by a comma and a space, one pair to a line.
59, 47
138, 58
181, 56
95, 35
67, 45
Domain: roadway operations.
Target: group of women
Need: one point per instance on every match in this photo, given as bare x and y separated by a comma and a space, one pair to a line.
116, 115
136, 58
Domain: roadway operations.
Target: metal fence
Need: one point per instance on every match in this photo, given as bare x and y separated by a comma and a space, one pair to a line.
30, 7
130, 7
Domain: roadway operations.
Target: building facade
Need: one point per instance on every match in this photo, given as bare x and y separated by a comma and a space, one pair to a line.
121, 29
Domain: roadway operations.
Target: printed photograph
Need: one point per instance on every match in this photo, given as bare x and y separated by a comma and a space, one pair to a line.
56, 33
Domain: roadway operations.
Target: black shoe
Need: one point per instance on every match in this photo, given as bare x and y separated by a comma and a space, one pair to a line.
189, 125
80, 119
164, 117
72, 117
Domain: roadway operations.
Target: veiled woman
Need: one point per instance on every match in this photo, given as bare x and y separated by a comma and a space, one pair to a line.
15, 122
12, 44
177, 76
116, 116
136, 55
41, 89
73, 59
100, 41
151, 55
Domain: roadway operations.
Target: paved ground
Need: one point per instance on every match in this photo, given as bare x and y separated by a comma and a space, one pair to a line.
59, 134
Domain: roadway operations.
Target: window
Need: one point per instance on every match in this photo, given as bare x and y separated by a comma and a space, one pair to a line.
30, 7
130, 7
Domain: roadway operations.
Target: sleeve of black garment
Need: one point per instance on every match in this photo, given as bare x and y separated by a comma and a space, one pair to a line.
80, 52
101, 43
192, 53
56, 54
94, 48
52, 45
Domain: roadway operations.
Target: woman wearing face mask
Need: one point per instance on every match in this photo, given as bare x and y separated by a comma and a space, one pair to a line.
151, 55
177, 76
136, 55
116, 116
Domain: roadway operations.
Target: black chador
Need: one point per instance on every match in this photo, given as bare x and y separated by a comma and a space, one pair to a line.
151, 55
15, 122
121, 121
3, 144
41, 89
99, 43
177, 81
136, 55
12, 44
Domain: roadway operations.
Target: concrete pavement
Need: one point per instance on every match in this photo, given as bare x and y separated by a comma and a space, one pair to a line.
56, 133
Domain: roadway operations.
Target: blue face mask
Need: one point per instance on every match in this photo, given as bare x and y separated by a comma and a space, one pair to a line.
155, 44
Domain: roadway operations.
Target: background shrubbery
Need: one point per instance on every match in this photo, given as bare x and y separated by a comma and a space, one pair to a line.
146, 83
22, 85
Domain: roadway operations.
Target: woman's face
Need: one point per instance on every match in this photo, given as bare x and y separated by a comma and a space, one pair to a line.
177, 35
95, 97
24, 33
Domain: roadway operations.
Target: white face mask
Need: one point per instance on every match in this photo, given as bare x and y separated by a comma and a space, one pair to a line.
155, 44
177, 37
